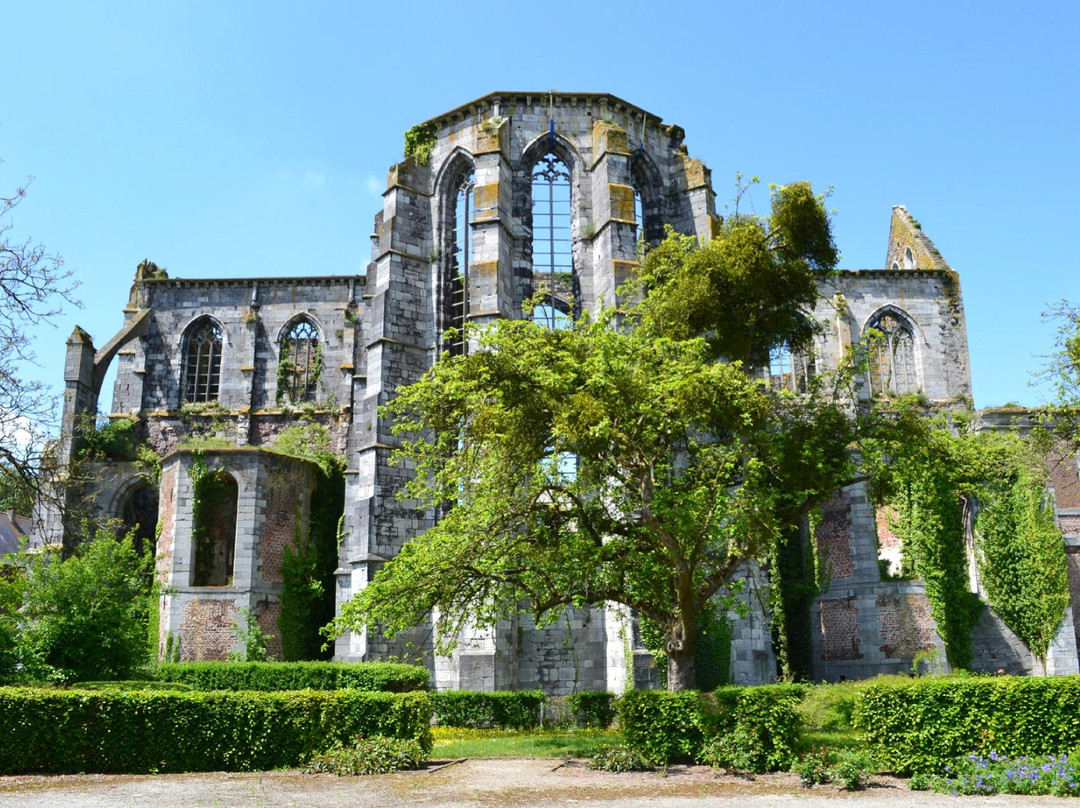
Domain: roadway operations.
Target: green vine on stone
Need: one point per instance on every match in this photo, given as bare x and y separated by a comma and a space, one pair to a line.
420, 142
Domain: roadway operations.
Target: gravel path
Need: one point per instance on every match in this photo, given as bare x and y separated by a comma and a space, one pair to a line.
538, 783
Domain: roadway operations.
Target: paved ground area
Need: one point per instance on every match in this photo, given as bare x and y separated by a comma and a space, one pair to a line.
539, 783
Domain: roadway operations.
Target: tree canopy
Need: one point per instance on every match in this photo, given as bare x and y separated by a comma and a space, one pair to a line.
598, 464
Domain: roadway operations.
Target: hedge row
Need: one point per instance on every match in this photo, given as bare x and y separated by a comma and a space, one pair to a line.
274, 676
923, 725
60, 731
505, 709
669, 727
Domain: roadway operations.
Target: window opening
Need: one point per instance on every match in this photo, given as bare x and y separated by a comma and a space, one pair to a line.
892, 359
791, 370
139, 513
461, 256
300, 363
639, 226
553, 259
214, 530
203, 366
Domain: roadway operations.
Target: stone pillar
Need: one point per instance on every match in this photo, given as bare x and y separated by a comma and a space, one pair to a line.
614, 243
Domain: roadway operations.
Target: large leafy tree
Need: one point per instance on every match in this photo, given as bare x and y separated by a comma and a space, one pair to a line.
598, 464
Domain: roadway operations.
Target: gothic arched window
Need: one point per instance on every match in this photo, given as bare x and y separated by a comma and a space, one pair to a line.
791, 370
202, 362
457, 280
299, 363
552, 242
892, 355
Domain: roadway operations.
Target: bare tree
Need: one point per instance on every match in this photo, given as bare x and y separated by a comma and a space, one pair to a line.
33, 288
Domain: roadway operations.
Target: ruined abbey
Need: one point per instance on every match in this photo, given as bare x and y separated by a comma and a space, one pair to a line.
506, 196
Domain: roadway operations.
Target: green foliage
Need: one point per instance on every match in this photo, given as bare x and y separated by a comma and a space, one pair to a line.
307, 599
210, 490
505, 709
591, 709
795, 580
619, 759
134, 684
935, 468
686, 468
851, 769
251, 637
751, 729
116, 439
812, 769
267, 676
419, 143
744, 289
830, 706
983, 775
376, 755
59, 731
1023, 559
923, 725
80, 618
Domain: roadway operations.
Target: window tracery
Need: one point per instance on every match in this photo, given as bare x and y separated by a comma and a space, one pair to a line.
552, 241
202, 362
299, 363
892, 356
457, 280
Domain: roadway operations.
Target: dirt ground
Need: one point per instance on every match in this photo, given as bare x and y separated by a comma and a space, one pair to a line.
539, 783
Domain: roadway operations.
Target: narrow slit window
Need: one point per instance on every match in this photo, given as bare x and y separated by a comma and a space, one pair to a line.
457, 282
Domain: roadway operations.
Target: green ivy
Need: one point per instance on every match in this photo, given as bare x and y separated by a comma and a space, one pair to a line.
1023, 560
117, 439
307, 598
795, 579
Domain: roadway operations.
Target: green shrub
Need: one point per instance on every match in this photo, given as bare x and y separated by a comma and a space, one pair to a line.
619, 759
84, 617
385, 676
763, 722
661, 725
591, 709
505, 709
923, 725
812, 769
134, 684
368, 756
61, 731
850, 769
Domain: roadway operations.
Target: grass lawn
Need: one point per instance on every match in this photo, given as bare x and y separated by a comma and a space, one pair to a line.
454, 742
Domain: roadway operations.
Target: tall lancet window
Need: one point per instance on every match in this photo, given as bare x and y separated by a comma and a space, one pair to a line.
457, 282
202, 362
552, 246
892, 356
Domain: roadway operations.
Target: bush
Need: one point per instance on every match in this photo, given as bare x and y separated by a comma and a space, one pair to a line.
850, 769
924, 725
506, 709
84, 617
368, 756
619, 759
60, 731
384, 676
812, 770
763, 723
591, 709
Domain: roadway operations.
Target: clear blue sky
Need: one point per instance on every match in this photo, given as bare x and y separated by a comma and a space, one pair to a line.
227, 139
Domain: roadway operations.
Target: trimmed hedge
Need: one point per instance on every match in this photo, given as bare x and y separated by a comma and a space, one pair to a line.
271, 676
670, 727
591, 709
59, 731
924, 724
504, 709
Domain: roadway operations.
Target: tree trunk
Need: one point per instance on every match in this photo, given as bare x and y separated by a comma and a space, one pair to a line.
680, 670
680, 644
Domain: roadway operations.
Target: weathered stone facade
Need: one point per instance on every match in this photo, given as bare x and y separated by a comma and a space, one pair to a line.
460, 239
